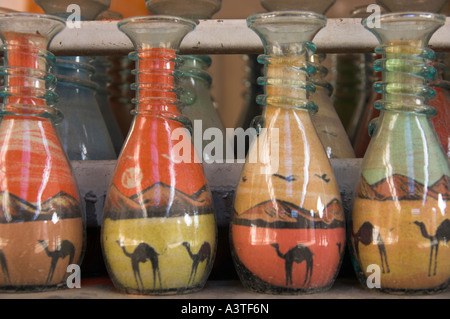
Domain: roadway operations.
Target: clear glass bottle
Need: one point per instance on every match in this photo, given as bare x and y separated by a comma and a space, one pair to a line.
196, 81
400, 221
348, 78
287, 232
121, 92
83, 131
42, 227
159, 206
90, 9
329, 127
413, 5
361, 120
328, 124
199, 105
361, 137
311, 5
194, 9
103, 80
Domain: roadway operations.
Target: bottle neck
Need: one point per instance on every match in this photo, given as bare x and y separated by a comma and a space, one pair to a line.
28, 84
286, 82
406, 77
155, 81
405, 62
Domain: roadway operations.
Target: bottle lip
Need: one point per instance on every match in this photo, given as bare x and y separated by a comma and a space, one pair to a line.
32, 15
407, 16
163, 18
287, 15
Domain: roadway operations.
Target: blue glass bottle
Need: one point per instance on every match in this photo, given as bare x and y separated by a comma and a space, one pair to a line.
103, 80
83, 131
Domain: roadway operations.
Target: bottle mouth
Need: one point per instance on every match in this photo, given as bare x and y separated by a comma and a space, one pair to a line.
200, 9
405, 18
90, 9
284, 32
162, 19
44, 25
304, 17
411, 28
17, 14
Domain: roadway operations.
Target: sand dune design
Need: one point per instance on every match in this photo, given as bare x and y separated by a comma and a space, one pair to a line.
282, 214
158, 200
405, 188
13, 209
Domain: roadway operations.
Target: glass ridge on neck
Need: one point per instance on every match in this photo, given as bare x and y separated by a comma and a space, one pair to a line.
405, 62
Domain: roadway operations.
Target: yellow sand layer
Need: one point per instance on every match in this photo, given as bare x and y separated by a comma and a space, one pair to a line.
166, 237
407, 251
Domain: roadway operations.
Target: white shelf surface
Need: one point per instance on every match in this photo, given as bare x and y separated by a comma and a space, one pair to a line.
102, 288
228, 36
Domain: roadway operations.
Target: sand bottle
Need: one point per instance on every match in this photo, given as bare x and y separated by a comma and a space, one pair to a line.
287, 233
400, 222
42, 221
159, 207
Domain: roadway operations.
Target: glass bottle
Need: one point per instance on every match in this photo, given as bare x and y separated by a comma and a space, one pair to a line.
42, 221
361, 120
89, 9
121, 92
199, 106
196, 81
287, 232
348, 78
441, 86
413, 5
361, 138
321, 6
329, 127
194, 9
83, 131
159, 206
251, 109
400, 220
103, 80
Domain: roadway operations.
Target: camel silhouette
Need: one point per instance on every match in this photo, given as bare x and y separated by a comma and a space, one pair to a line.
442, 233
140, 255
65, 248
296, 254
204, 253
4, 266
365, 235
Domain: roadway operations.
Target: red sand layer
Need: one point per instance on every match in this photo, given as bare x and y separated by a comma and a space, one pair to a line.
253, 247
